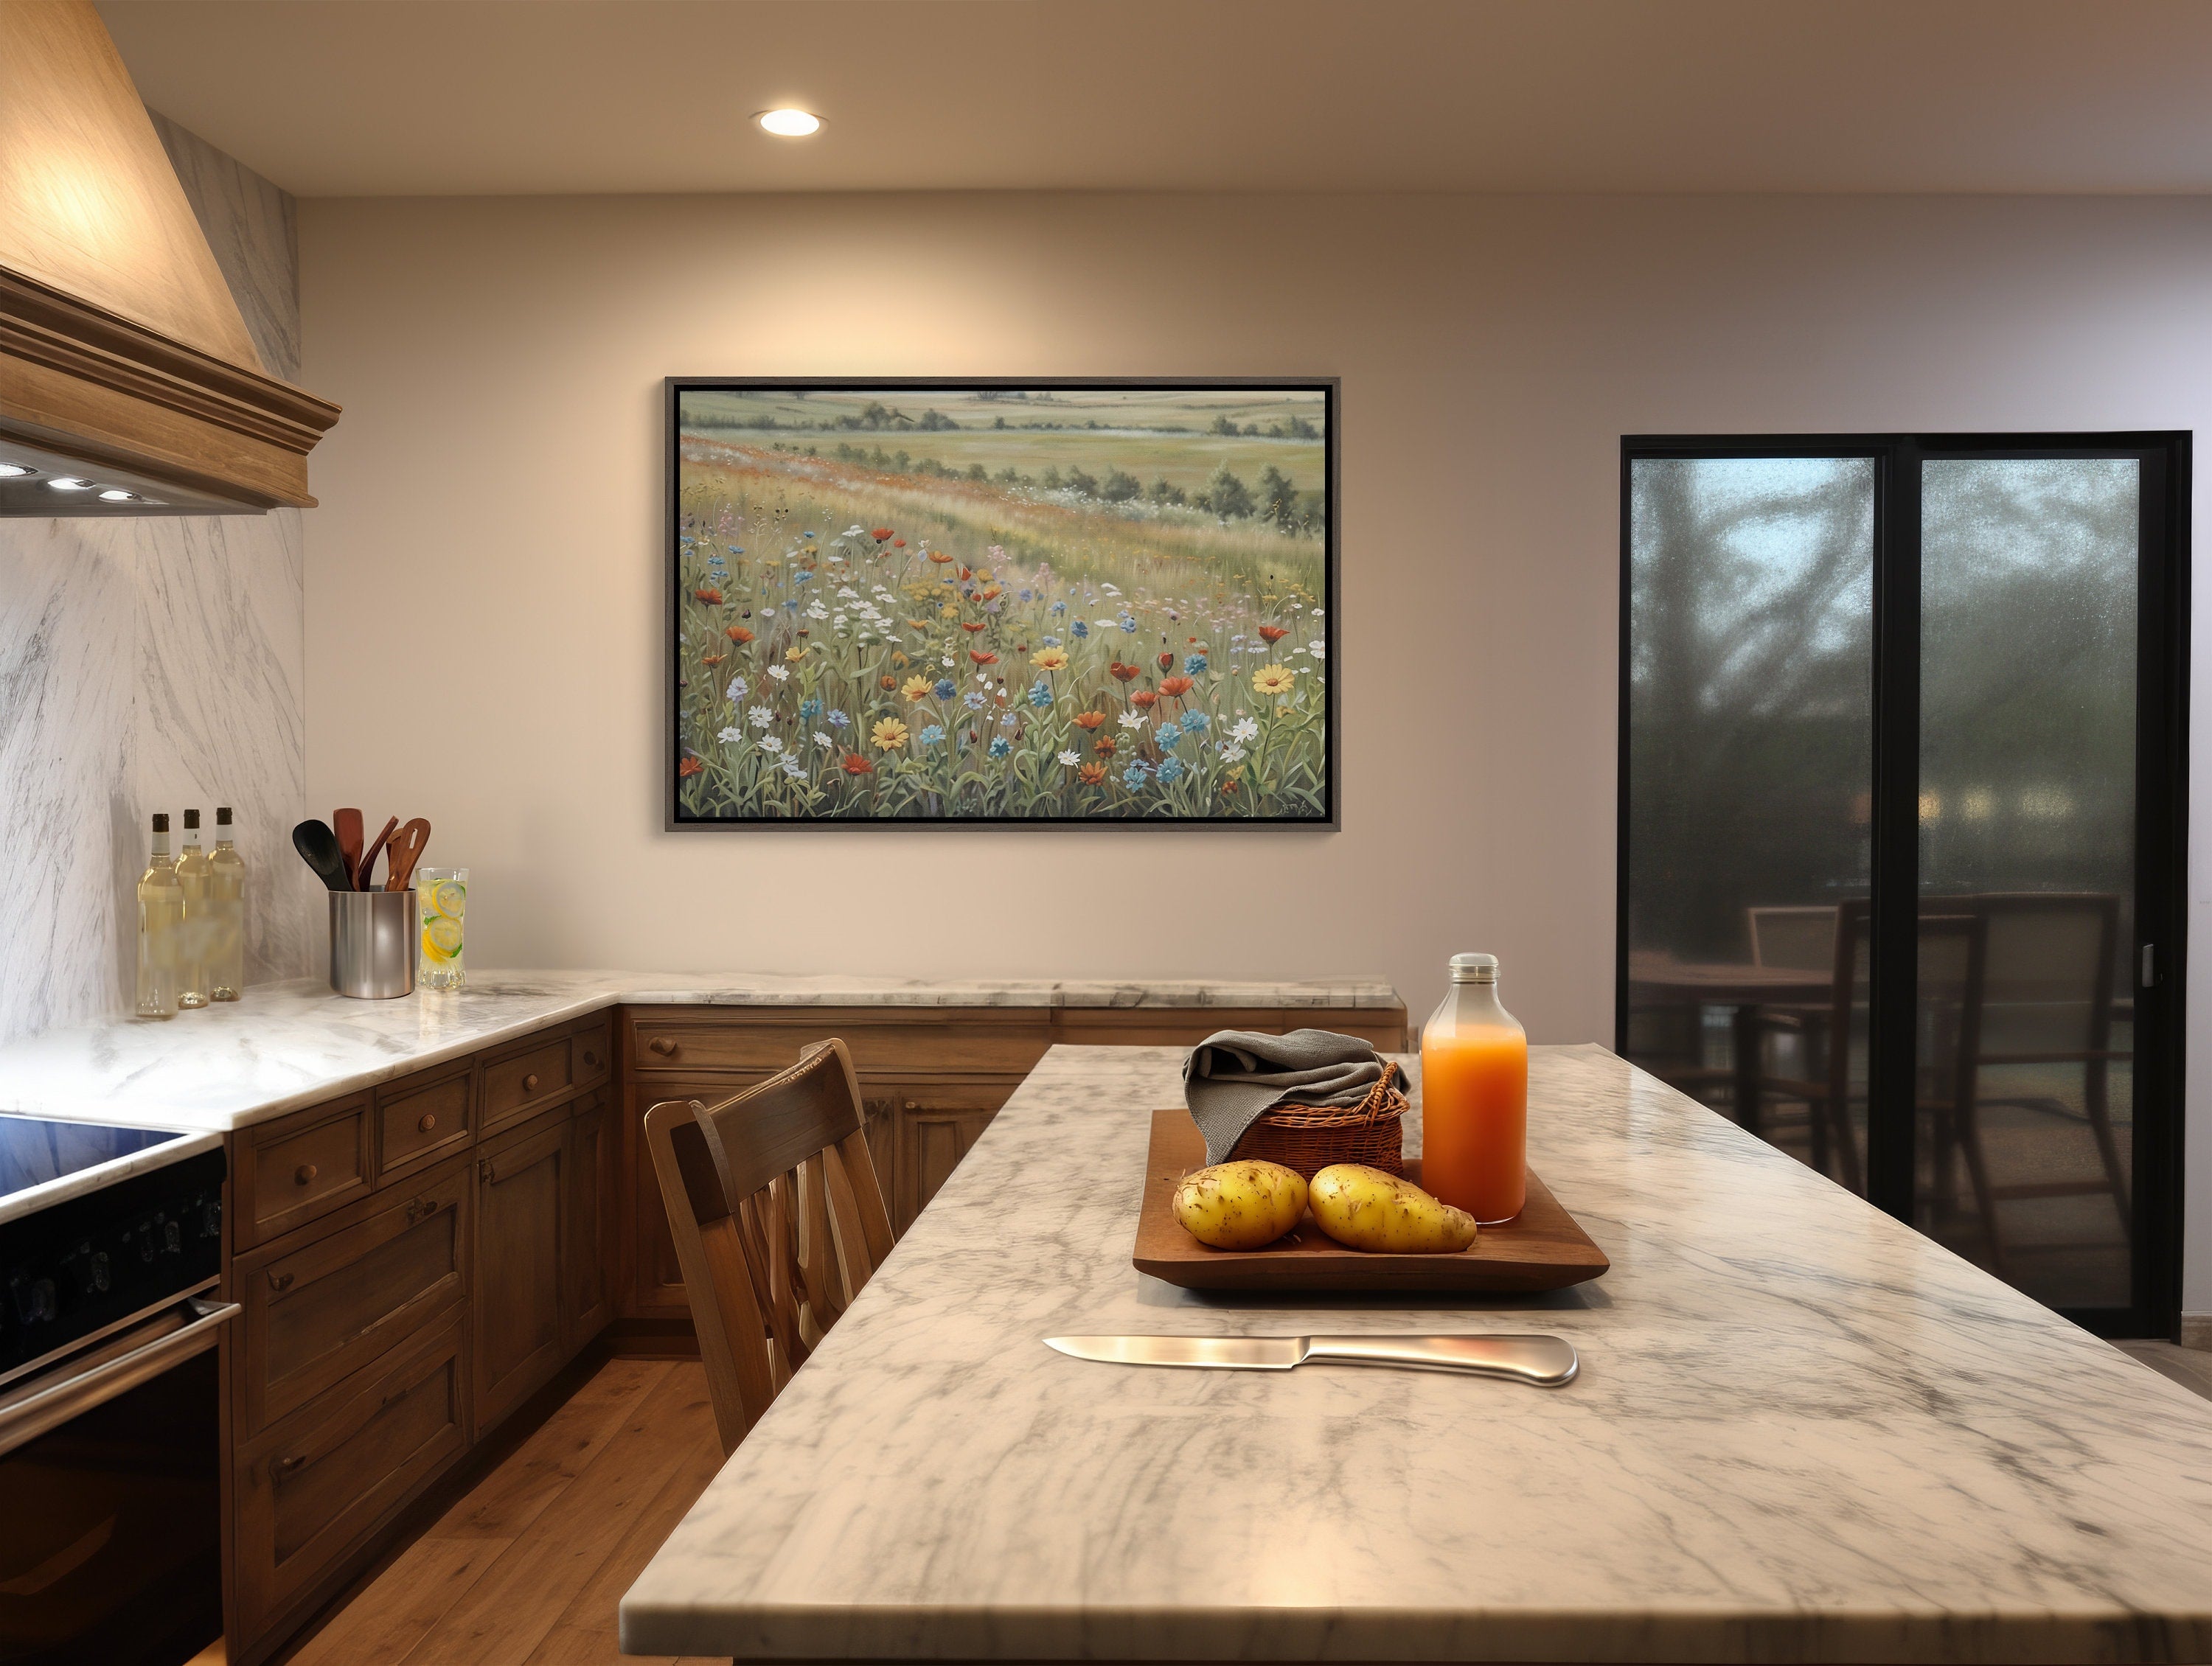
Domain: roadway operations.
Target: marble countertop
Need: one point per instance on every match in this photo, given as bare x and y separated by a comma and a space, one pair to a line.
1802, 1433
293, 1044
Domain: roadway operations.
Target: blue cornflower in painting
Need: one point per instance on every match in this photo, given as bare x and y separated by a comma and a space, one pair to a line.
1039, 694
1170, 771
1050, 642
736, 549
1027, 596
945, 688
1001, 746
809, 709
1194, 722
791, 606
1080, 629
1059, 607
930, 736
1193, 664
974, 701
839, 720
806, 535
1134, 777
1128, 623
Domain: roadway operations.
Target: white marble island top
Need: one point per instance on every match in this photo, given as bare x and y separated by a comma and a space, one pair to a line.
293, 1044
1802, 1433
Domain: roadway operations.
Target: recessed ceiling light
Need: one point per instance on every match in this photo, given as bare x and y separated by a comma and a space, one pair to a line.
12, 470
70, 483
115, 494
789, 124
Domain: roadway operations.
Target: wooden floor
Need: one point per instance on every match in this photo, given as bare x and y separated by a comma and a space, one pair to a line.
526, 1569
2191, 1367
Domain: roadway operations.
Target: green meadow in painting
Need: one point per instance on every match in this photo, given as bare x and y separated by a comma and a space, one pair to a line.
1001, 603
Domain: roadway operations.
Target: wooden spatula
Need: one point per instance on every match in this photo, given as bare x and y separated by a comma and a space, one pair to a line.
363, 882
405, 850
347, 825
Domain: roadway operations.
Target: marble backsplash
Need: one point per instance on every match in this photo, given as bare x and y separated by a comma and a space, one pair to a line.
154, 665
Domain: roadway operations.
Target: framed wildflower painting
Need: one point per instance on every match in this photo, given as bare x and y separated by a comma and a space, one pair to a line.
1001, 601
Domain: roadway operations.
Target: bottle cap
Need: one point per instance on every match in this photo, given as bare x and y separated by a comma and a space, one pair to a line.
160, 821
1474, 968
191, 820
223, 816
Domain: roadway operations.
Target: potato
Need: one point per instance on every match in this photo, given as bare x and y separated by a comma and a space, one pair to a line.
1241, 1205
1365, 1208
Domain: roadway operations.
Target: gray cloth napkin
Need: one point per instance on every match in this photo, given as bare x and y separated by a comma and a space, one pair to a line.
1233, 1075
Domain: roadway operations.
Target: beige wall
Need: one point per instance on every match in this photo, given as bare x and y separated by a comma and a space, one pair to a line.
484, 612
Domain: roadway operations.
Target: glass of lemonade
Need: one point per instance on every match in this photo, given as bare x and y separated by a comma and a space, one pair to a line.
442, 896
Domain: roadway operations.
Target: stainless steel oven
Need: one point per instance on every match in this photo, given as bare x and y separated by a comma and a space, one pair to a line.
110, 1411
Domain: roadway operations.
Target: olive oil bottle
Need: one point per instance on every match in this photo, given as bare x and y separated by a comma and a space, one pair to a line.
161, 921
226, 946
192, 941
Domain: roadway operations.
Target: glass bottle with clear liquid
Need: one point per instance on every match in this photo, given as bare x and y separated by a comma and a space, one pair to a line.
192, 939
161, 921
1474, 1096
226, 913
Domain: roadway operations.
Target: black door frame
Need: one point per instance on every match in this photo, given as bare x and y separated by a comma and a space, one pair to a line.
2162, 819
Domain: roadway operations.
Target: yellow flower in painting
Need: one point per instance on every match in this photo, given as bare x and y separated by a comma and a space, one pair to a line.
795, 653
1049, 659
1273, 680
916, 688
889, 735
950, 610
919, 624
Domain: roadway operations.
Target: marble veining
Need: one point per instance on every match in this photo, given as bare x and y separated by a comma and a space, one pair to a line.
291, 1044
154, 664
1802, 1433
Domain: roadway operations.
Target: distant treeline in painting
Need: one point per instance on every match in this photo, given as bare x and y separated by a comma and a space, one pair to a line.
995, 603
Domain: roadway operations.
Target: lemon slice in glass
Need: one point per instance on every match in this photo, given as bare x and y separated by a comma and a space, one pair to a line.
441, 938
446, 897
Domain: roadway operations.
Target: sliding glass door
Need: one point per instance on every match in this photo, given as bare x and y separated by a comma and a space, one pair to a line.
1899, 829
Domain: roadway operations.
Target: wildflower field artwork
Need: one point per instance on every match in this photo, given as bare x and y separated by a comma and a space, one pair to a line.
985, 602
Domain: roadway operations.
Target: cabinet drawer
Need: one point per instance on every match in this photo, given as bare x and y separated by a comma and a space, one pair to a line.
419, 1123
304, 1167
521, 1081
594, 1052
935, 1042
309, 1491
319, 1311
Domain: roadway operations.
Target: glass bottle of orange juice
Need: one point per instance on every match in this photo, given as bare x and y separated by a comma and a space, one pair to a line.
1474, 1096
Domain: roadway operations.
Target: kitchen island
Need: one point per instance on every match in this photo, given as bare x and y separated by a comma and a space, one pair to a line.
1802, 1433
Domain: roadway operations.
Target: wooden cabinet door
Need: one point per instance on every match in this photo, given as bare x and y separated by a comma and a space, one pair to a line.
521, 1210
658, 1289
935, 1130
586, 1293
308, 1492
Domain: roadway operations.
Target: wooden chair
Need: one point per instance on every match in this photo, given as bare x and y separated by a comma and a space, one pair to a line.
778, 1219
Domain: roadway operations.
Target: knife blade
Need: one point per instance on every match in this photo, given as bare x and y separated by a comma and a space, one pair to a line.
1544, 1361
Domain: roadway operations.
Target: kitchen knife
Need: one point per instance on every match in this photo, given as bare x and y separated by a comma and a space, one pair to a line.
1546, 1361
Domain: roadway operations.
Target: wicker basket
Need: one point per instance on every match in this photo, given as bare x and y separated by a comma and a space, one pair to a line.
1309, 1137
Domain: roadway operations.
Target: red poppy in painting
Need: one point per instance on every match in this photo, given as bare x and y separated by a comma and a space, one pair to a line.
739, 634
967, 574
1166, 661
880, 534
898, 543
1175, 688
1091, 774
939, 557
1106, 746
1088, 719
1122, 673
711, 596
1142, 699
1273, 633
966, 625
689, 767
982, 658
856, 765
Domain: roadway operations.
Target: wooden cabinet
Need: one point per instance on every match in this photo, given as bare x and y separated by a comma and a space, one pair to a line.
310, 1492
931, 1128
317, 1310
586, 1289
423, 1118
521, 1080
299, 1167
522, 1188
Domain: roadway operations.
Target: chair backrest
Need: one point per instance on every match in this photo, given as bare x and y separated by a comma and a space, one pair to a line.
1800, 938
2051, 970
801, 1216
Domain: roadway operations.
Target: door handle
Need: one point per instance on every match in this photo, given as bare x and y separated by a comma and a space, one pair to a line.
2149, 965
189, 1328
281, 1283
663, 1045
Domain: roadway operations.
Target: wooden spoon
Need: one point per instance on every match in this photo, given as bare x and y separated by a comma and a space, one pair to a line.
403, 852
362, 879
347, 825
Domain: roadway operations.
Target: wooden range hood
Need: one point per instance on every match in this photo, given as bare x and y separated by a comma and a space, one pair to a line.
125, 362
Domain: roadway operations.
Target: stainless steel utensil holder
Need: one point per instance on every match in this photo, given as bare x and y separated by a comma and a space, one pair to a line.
372, 943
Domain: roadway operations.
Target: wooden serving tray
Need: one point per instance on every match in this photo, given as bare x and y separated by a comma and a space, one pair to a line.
1542, 1248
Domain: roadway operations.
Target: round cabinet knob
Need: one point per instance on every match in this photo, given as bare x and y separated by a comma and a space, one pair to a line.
530, 1082
429, 1121
662, 1045
304, 1174
912, 1105
591, 1059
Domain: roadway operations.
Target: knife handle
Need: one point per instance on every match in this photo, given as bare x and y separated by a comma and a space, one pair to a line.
1546, 1361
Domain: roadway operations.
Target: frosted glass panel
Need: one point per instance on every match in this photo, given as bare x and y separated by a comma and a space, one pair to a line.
2027, 825
1750, 790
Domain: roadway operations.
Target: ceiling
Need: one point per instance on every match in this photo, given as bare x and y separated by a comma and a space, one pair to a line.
465, 97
